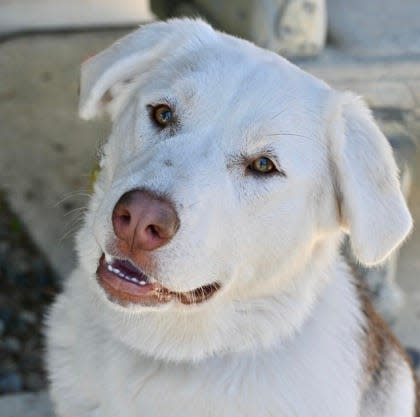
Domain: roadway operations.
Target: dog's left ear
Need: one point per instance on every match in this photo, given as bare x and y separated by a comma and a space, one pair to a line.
373, 209
105, 76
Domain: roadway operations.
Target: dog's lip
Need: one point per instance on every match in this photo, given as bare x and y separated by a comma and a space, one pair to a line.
125, 283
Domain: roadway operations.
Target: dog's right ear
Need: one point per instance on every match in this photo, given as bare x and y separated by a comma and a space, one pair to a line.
373, 209
103, 76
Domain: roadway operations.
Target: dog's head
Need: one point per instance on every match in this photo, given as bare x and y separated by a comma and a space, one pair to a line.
225, 186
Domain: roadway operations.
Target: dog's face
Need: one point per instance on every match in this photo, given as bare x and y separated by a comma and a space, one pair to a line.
229, 175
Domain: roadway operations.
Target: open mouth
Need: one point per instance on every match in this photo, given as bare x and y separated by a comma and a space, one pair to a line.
124, 283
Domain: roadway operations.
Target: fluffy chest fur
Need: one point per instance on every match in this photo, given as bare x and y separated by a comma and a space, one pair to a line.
293, 378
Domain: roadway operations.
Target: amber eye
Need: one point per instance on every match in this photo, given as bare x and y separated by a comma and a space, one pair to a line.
262, 165
162, 114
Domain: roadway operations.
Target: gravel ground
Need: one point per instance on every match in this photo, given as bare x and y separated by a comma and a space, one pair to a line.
27, 288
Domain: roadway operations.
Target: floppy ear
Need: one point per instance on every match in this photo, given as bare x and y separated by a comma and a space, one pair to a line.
373, 209
103, 77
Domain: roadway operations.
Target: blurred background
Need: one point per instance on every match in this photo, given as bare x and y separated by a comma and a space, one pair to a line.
47, 153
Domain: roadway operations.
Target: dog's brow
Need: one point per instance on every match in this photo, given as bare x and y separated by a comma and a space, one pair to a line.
244, 157
162, 99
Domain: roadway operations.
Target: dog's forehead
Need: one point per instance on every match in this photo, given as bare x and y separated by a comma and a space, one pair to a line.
235, 76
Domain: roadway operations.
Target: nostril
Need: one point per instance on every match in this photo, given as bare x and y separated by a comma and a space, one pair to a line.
153, 231
123, 215
121, 221
125, 218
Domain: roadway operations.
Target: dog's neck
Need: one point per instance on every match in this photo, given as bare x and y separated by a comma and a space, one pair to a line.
297, 302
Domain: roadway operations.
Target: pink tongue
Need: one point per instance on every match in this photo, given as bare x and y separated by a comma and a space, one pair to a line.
129, 269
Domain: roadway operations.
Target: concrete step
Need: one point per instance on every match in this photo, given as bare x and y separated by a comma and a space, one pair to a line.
42, 15
375, 28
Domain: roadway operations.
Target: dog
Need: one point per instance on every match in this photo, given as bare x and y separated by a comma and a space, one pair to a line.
210, 280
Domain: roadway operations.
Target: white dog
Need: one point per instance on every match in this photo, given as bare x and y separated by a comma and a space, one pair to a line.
210, 281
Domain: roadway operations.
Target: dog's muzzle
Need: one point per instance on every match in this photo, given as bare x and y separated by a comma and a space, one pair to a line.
143, 222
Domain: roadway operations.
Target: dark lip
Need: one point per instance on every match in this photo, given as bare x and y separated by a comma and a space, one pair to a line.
130, 285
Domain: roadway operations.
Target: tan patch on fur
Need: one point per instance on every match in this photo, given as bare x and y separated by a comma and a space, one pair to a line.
379, 342
379, 338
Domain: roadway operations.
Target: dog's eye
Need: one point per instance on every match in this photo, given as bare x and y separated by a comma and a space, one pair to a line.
262, 165
162, 114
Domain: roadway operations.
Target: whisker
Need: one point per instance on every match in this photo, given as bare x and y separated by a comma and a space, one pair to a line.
289, 134
76, 222
193, 204
69, 233
75, 210
73, 225
279, 113
80, 193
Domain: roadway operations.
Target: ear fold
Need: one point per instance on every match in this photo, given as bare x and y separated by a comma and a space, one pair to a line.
373, 209
103, 76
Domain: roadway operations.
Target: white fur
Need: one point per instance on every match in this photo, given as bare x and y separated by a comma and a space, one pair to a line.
283, 335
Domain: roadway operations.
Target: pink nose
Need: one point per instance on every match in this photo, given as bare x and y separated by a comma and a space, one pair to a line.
143, 221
